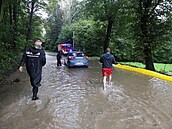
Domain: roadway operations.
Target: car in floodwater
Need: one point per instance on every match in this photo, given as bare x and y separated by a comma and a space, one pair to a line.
76, 59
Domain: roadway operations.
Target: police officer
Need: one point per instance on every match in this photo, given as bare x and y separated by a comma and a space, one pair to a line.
34, 58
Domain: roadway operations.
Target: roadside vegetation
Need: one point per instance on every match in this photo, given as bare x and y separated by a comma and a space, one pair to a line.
136, 31
159, 67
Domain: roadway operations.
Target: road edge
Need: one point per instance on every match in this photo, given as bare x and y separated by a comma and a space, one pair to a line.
144, 71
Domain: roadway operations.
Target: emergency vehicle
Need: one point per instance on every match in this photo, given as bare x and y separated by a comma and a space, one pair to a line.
65, 47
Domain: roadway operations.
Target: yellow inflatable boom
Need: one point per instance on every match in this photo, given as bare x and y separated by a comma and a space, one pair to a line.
144, 71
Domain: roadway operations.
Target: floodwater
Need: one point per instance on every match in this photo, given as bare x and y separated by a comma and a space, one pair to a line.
73, 98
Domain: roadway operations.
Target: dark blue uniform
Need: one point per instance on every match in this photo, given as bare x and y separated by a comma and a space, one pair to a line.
59, 56
35, 59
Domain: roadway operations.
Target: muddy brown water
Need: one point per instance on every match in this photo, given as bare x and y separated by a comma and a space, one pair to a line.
74, 99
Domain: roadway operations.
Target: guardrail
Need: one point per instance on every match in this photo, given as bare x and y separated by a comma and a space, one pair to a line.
144, 71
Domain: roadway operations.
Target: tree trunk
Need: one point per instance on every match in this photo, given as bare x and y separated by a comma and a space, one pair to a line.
108, 33
14, 23
29, 32
144, 35
1, 10
11, 25
148, 59
10, 11
0, 6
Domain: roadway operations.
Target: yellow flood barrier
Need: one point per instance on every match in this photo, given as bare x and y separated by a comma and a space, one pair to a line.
144, 71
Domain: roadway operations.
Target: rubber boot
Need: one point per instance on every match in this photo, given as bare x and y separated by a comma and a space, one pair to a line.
35, 91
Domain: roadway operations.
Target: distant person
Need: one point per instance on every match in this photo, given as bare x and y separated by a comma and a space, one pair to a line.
59, 57
34, 58
107, 60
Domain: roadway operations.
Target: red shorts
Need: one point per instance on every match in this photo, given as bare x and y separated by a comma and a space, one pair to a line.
106, 71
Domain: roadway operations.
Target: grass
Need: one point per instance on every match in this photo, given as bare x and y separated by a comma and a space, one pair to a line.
159, 67
164, 68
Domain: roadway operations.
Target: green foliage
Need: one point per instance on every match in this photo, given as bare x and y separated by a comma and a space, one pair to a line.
136, 37
151, 25
126, 37
87, 36
106, 12
8, 61
53, 25
164, 53
163, 68
14, 28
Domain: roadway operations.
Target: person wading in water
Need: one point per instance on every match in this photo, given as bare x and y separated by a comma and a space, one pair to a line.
59, 57
107, 60
34, 58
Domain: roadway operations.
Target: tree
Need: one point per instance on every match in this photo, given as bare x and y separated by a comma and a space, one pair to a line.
14, 25
105, 11
86, 37
32, 7
153, 18
53, 24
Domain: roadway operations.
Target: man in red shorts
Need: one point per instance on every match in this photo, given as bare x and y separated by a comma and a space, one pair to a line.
107, 60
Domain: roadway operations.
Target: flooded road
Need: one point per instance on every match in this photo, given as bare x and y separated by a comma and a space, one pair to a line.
74, 99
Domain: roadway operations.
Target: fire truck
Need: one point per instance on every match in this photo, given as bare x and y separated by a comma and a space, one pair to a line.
65, 47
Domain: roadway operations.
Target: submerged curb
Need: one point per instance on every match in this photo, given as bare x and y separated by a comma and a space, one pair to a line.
144, 71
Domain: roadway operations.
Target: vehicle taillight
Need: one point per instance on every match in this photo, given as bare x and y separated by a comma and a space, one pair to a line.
85, 56
71, 57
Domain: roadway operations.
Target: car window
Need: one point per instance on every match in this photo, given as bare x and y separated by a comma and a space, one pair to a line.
76, 54
79, 54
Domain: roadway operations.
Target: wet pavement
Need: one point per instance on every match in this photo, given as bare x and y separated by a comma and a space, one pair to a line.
73, 98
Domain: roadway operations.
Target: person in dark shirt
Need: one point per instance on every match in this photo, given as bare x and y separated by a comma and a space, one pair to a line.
34, 58
107, 60
59, 57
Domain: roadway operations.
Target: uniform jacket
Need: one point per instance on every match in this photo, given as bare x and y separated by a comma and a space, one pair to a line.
34, 59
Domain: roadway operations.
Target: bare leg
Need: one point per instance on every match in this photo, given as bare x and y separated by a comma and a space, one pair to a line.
109, 79
104, 82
